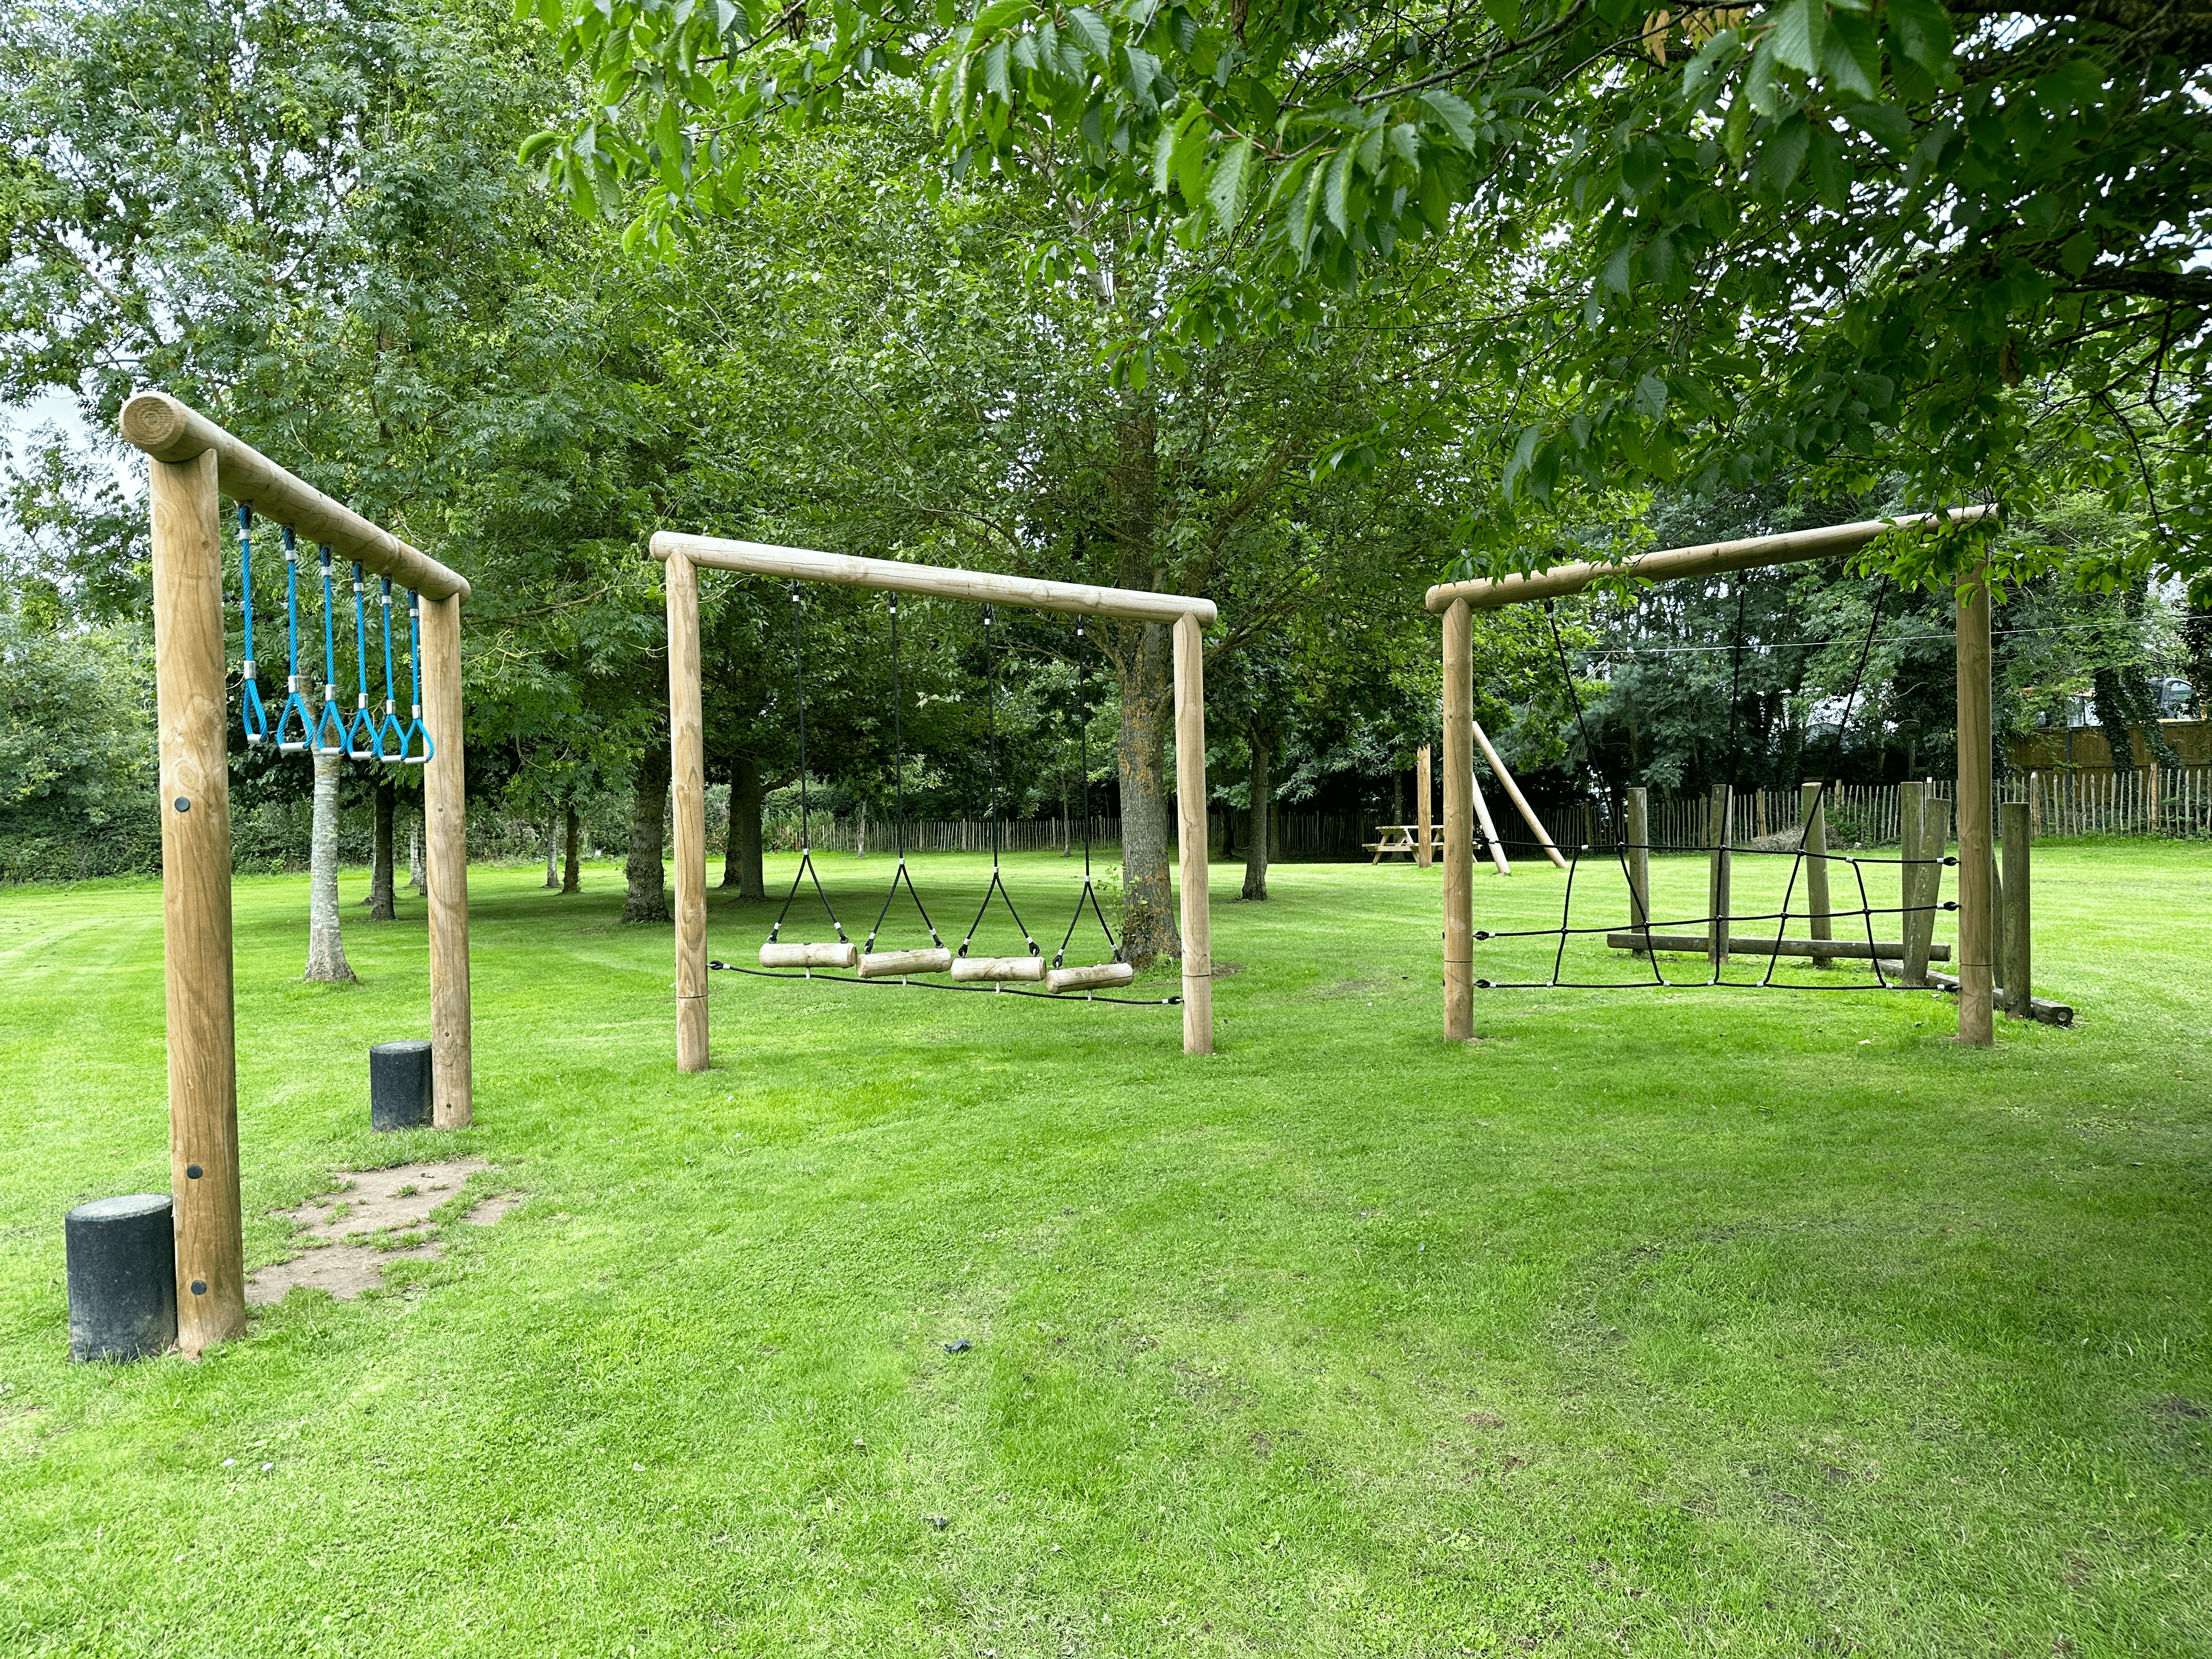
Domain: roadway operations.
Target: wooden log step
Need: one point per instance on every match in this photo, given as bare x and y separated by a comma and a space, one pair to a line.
2050, 1014
1089, 979
896, 964
837, 955
1009, 967
1756, 945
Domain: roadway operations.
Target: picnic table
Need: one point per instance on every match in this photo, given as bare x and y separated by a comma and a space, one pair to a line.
1402, 838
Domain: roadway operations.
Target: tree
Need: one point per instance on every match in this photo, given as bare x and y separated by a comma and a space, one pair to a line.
1952, 241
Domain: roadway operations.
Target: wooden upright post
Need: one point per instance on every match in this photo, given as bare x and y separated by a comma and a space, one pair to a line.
191, 689
1720, 837
688, 774
1460, 799
1423, 784
2018, 968
1820, 923
1910, 803
1977, 1021
1639, 862
446, 858
1190, 835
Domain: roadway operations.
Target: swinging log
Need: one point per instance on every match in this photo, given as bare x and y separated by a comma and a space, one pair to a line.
1754, 945
896, 964
1029, 969
838, 955
1085, 979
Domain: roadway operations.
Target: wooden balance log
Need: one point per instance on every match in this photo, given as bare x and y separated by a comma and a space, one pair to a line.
897, 964
1029, 969
841, 954
1754, 945
1089, 979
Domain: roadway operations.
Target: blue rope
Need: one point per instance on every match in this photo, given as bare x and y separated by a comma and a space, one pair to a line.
414, 679
389, 727
361, 731
294, 702
257, 717
331, 727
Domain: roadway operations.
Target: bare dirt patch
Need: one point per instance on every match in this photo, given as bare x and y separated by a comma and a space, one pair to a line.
377, 1216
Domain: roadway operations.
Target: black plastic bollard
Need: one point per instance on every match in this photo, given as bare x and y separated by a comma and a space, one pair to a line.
400, 1091
122, 1257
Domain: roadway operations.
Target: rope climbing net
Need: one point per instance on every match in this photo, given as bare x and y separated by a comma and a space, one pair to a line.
997, 975
1648, 938
300, 728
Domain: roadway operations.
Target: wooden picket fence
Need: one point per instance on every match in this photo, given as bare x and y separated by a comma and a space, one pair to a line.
2170, 802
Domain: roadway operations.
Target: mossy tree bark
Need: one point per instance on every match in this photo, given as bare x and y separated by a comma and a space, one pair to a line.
741, 856
327, 958
646, 897
382, 893
1261, 784
572, 870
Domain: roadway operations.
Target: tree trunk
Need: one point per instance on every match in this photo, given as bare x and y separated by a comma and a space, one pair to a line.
646, 898
1263, 786
1144, 664
572, 873
1148, 928
418, 877
741, 856
553, 855
382, 906
326, 958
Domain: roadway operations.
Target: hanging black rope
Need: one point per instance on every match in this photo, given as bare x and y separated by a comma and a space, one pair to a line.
991, 735
806, 869
1088, 894
1866, 910
899, 872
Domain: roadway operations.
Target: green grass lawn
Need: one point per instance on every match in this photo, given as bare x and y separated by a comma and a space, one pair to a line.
1652, 1322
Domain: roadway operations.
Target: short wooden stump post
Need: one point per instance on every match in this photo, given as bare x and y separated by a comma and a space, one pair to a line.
402, 1091
122, 1257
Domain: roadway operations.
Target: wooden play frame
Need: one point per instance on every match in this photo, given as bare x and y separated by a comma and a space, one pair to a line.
683, 555
1457, 601
191, 464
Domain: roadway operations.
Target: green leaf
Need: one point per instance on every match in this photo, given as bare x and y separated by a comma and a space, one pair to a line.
1435, 199
1302, 216
1886, 123
1191, 134
1454, 112
1831, 178
1800, 32
1340, 176
1852, 59
994, 71
1225, 190
2076, 253
1084, 23
1783, 153
1163, 160
1615, 276
998, 14
550, 13
1923, 29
